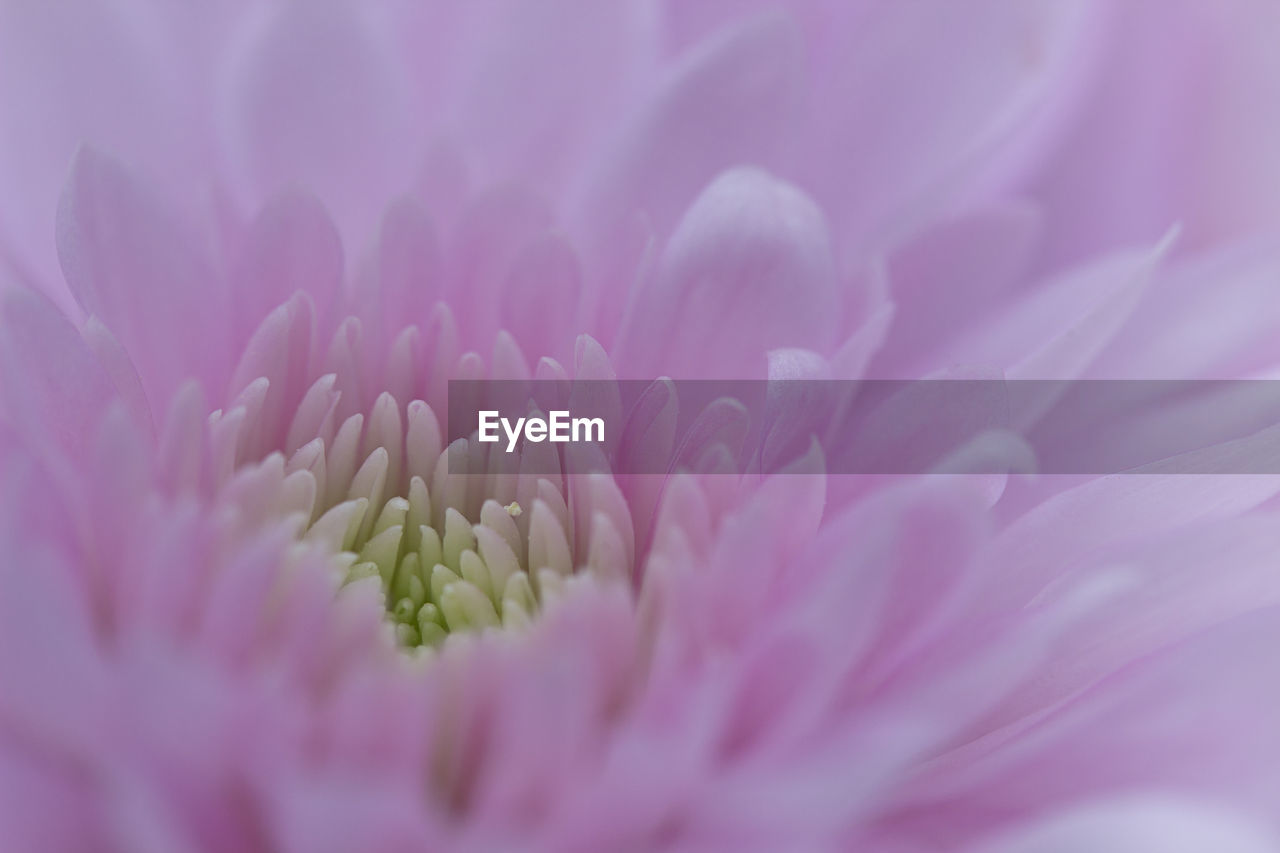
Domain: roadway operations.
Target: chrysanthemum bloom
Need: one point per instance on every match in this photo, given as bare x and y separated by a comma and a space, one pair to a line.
229, 531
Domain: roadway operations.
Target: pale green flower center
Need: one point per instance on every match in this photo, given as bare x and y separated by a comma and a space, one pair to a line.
457, 576
448, 553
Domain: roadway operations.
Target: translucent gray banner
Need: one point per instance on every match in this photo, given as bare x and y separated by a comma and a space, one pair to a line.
972, 426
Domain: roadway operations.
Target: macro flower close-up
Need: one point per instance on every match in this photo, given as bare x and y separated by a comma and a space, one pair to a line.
645, 425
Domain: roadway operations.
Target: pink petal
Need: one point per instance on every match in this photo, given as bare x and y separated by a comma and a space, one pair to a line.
1179, 125
545, 273
748, 270
129, 264
1212, 316
81, 72
1164, 595
409, 266
719, 107
124, 376
1137, 823
49, 662
537, 85
1193, 718
356, 135
291, 246
496, 228
917, 130
54, 388
1037, 331
1106, 512
950, 278
281, 352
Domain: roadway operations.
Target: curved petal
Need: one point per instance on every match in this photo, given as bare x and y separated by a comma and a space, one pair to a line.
128, 263
55, 391
75, 72
355, 136
291, 246
722, 105
1138, 824
748, 270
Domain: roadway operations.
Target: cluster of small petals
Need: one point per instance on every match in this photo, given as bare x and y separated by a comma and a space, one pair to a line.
448, 550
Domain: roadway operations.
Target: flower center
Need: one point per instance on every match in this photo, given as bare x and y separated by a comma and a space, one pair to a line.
448, 552
371, 485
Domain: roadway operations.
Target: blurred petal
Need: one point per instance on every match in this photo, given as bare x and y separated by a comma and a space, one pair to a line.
1140, 825
748, 270
352, 140
291, 246
55, 390
719, 106
128, 263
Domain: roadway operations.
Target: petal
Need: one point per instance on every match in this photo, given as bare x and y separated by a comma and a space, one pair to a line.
352, 139
46, 626
903, 558
115, 361
936, 104
280, 352
952, 277
1193, 718
721, 106
537, 85
55, 391
1179, 124
80, 72
1165, 593
409, 274
43, 806
1135, 824
1056, 537
1058, 329
291, 246
1210, 316
496, 227
748, 270
128, 263
543, 292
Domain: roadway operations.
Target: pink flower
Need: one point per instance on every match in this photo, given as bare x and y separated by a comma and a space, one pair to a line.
245, 603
